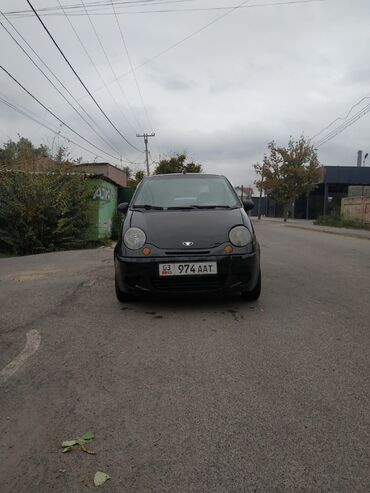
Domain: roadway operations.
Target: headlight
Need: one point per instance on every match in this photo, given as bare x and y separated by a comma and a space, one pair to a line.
134, 238
240, 236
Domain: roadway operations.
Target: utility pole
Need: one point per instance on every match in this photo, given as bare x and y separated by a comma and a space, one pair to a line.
261, 189
260, 204
146, 148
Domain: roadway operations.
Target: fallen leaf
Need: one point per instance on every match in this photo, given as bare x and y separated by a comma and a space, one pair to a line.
69, 443
88, 436
100, 478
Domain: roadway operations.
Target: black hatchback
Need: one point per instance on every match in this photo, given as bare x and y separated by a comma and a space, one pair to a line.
186, 233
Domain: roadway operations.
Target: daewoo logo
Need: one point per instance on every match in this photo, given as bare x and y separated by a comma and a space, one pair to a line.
187, 243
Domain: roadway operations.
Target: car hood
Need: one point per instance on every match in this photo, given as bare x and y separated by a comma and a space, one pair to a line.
204, 228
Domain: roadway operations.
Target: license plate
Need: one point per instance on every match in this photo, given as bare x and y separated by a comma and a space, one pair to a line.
188, 269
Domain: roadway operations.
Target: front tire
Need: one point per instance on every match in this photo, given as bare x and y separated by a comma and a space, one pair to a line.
121, 295
255, 293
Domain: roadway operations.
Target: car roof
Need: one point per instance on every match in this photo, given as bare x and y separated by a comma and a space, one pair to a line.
177, 175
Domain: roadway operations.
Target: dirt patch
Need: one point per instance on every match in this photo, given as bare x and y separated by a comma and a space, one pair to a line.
30, 275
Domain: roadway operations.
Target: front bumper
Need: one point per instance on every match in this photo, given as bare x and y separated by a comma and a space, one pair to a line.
141, 275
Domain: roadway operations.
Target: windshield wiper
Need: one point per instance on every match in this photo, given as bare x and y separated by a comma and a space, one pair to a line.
181, 207
148, 207
212, 207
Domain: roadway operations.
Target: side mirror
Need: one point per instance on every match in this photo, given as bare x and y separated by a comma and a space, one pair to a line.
248, 205
122, 208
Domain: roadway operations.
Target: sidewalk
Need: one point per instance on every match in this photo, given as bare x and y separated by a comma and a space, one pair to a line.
310, 226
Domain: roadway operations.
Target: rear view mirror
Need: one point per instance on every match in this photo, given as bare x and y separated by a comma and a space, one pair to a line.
122, 208
248, 205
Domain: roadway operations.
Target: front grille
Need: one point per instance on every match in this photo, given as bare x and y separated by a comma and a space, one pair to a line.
187, 283
188, 252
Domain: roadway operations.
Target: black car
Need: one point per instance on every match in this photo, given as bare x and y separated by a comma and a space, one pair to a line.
186, 233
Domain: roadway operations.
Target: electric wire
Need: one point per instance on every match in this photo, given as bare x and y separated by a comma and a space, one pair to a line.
331, 135
109, 63
59, 91
184, 10
97, 71
94, 5
34, 119
55, 76
181, 41
80, 80
131, 64
341, 117
123, 39
53, 114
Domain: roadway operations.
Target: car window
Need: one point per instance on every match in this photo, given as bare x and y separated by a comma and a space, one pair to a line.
186, 191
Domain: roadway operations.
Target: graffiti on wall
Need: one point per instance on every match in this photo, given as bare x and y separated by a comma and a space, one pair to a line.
103, 193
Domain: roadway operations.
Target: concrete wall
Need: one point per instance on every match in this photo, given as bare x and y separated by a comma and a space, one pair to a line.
358, 191
115, 174
356, 208
106, 194
102, 209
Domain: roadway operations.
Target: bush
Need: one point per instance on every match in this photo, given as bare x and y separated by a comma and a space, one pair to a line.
335, 219
43, 212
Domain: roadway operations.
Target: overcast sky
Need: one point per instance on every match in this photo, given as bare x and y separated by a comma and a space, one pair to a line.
259, 73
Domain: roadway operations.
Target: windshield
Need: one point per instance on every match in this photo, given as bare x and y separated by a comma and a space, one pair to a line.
169, 192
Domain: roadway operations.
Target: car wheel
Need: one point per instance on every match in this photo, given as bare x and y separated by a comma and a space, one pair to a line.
255, 293
122, 296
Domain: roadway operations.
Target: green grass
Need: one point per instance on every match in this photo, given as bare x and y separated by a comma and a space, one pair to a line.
338, 221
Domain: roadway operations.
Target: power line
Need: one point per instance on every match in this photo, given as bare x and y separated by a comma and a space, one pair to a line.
33, 118
53, 74
131, 64
192, 9
79, 78
53, 114
58, 90
109, 62
95, 5
133, 69
204, 27
97, 71
341, 117
344, 126
181, 41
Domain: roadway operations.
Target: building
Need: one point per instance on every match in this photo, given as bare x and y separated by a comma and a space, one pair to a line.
116, 175
109, 184
325, 198
243, 192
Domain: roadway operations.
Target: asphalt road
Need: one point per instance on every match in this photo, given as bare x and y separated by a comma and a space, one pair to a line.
193, 394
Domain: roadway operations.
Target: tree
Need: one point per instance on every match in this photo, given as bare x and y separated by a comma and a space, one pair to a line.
21, 154
133, 181
128, 171
176, 164
24, 155
62, 155
288, 172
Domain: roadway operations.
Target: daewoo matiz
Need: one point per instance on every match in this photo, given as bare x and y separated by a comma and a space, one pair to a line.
186, 233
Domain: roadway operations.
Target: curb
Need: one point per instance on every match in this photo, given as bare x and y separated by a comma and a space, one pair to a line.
338, 233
